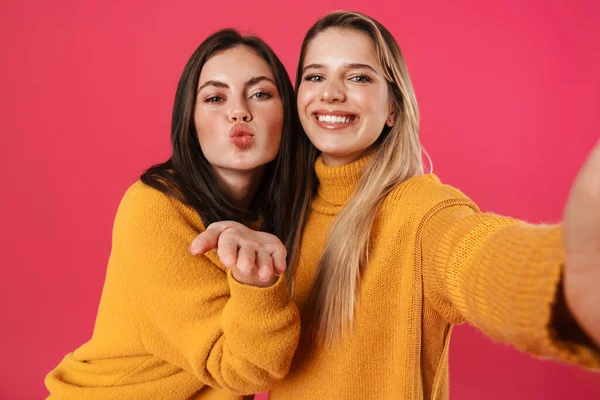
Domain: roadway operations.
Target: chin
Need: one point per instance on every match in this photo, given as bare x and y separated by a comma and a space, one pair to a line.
249, 164
332, 148
244, 167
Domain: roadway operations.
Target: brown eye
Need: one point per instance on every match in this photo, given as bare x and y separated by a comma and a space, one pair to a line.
314, 78
360, 79
214, 99
262, 95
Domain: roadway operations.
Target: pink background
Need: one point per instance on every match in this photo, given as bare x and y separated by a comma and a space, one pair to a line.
509, 93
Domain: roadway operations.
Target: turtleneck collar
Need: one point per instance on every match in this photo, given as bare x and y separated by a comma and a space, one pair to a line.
337, 184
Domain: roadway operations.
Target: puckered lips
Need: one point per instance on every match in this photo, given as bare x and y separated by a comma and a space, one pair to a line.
241, 136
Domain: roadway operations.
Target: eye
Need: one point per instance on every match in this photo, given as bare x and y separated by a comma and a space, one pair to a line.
262, 95
361, 79
314, 78
214, 99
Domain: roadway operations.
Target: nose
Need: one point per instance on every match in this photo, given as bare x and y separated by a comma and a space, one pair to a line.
239, 112
333, 92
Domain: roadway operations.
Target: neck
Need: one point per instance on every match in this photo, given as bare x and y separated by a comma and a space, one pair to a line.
240, 185
337, 160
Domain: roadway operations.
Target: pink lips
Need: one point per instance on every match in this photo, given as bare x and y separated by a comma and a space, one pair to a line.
331, 124
241, 136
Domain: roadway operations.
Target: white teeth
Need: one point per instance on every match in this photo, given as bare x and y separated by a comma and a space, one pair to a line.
333, 119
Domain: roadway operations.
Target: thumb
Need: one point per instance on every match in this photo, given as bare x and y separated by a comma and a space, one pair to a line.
207, 240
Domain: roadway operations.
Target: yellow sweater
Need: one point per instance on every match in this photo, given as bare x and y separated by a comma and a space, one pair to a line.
172, 326
435, 261
175, 326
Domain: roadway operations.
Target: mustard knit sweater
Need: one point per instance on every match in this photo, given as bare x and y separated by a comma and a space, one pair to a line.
434, 261
173, 326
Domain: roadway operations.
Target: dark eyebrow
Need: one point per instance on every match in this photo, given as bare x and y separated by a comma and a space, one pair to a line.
251, 82
350, 66
315, 66
218, 84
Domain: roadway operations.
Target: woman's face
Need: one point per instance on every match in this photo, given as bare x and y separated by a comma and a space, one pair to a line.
343, 96
238, 113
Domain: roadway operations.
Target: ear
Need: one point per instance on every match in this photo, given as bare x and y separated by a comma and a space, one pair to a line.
391, 119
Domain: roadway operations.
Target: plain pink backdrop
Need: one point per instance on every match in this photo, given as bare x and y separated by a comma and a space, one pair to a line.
509, 93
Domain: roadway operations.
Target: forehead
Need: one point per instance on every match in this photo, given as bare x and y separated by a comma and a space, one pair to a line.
336, 46
237, 64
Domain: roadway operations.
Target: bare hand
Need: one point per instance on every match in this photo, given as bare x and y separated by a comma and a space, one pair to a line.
255, 258
582, 247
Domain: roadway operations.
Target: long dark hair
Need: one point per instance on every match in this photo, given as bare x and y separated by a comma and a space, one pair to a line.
188, 176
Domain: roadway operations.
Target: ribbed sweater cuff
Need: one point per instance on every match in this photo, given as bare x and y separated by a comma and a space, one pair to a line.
256, 299
513, 285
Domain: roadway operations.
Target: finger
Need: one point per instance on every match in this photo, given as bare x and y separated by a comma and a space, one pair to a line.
207, 240
228, 250
279, 260
588, 174
246, 259
582, 221
265, 265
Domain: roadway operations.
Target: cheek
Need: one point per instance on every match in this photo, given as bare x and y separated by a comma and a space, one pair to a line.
200, 122
202, 118
304, 98
207, 126
278, 121
272, 123
375, 107
273, 117
278, 133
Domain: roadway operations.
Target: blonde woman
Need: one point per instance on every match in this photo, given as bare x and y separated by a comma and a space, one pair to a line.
391, 259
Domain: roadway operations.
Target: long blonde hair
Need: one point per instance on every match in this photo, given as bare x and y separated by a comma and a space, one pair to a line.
397, 157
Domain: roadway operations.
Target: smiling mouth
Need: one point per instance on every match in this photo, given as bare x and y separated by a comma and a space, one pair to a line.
337, 121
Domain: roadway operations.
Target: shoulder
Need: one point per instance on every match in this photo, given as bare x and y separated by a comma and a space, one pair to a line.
424, 194
146, 206
141, 194
426, 186
143, 200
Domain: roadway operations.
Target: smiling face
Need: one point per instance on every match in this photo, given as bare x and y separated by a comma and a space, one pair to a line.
343, 98
238, 114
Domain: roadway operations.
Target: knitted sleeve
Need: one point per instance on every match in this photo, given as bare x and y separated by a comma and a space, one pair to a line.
500, 275
190, 311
